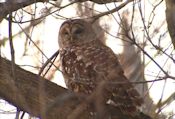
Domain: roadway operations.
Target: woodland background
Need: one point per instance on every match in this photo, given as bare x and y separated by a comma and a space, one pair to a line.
140, 32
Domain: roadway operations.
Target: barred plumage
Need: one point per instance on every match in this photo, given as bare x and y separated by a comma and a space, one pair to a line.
86, 62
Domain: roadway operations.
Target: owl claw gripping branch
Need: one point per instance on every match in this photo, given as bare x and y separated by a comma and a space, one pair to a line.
86, 62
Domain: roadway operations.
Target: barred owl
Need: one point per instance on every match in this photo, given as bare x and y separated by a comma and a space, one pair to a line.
86, 62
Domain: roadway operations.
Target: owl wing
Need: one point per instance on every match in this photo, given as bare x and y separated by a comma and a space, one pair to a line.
86, 66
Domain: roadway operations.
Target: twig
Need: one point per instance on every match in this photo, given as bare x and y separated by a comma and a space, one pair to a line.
11, 44
111, 11
12, 55
47, 62
35, 44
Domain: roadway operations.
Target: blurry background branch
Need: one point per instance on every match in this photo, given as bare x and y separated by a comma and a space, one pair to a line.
131, 61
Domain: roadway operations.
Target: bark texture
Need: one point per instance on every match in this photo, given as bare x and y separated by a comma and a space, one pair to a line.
34, 94
170, 18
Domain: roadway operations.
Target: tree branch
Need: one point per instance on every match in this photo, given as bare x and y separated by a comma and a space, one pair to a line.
34, 94
11, 6
101, 1
95, 17
42, 98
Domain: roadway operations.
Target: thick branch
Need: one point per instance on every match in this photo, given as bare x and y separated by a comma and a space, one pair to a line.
38, 96
42, 98
34, 94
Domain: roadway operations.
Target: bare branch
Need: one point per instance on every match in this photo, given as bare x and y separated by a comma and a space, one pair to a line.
8, 7
101, 1
112, 11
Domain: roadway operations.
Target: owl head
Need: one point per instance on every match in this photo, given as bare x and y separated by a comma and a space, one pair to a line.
75, 32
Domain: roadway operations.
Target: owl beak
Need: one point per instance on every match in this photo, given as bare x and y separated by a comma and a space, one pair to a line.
70, 33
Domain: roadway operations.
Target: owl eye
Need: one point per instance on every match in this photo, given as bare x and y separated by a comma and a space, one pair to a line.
65, 33
78, 31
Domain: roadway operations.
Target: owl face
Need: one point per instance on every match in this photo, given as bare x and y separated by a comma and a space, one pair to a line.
74, 32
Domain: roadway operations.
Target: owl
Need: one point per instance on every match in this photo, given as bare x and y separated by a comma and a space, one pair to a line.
86, 62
